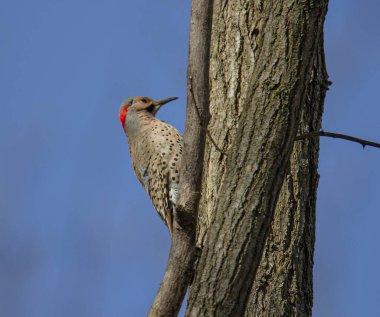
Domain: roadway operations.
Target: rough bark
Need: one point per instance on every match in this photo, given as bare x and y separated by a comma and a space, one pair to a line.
179, 270
255, 119
284, 280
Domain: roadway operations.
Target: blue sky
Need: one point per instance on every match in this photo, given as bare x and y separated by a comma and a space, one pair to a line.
78, 235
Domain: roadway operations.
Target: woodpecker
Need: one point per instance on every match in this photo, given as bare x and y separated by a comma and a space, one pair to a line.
156, 150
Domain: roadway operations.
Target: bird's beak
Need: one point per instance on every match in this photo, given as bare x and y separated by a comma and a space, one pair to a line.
161, 102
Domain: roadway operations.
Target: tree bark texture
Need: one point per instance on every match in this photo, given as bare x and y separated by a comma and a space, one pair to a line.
284, 280
267, 82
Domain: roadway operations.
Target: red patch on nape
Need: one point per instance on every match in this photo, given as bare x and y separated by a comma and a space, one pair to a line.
123, 115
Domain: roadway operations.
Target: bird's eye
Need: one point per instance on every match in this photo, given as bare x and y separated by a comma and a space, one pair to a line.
144, 100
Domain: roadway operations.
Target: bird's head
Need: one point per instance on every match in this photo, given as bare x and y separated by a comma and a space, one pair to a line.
141, 104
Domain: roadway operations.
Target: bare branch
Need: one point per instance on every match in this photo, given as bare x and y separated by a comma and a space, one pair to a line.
363, 142
179, 271
200, 119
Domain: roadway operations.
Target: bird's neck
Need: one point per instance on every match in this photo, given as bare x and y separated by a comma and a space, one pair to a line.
137, 122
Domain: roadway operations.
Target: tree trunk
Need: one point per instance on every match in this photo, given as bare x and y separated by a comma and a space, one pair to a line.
284, 280
267, 82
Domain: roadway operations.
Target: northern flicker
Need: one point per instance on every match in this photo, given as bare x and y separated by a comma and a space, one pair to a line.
156, 150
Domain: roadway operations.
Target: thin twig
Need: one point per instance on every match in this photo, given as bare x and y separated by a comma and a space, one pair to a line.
201, 121
364, 143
